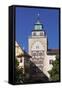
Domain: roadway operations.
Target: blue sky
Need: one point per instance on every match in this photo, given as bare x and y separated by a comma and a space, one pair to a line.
27, 17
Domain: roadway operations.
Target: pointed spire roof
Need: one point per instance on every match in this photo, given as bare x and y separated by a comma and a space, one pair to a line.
38, 22
38, 25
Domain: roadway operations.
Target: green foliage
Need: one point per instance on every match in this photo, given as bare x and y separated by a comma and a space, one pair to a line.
19, 73
17, 63
54, 73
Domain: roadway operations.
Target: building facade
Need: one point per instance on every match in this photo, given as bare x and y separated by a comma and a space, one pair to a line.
38, 49
23, 59
38, 62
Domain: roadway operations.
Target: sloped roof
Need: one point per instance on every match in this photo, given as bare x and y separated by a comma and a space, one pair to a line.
21, 51
54, 51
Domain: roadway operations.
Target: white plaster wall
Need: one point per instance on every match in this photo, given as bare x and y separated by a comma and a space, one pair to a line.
18, 49
32, 40
47, 65
43, 40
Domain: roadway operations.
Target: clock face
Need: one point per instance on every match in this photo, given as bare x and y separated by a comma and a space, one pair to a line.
37, 46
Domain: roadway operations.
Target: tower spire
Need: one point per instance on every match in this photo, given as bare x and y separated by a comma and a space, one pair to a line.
38, 26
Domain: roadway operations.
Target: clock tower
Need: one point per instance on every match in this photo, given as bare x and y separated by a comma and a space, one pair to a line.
37, 44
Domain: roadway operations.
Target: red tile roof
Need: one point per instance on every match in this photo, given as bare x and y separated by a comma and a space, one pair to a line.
53, 51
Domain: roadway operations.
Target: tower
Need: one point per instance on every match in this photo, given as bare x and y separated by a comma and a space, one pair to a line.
37, 43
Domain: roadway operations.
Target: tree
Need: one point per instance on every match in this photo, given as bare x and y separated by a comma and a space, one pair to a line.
54, 73
19, 72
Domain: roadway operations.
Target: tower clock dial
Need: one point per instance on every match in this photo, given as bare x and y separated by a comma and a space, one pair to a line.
37, 46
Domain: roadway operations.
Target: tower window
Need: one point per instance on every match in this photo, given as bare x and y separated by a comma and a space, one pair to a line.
34, 34
41, 34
